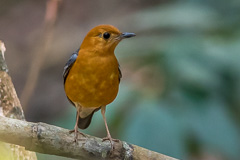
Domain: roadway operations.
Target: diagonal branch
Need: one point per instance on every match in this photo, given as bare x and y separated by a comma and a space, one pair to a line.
49, 139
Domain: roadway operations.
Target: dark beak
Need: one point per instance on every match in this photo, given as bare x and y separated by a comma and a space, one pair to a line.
127, 35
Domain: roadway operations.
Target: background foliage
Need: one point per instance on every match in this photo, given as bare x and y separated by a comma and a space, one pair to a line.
180, 92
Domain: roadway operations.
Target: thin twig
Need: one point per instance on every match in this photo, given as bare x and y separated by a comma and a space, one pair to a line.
40, 51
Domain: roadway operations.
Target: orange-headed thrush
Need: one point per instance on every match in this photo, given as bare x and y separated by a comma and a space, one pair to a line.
92, 75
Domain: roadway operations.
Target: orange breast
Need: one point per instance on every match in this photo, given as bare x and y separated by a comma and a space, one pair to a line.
93, 81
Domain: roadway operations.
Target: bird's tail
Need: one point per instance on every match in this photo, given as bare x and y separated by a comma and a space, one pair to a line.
83, 123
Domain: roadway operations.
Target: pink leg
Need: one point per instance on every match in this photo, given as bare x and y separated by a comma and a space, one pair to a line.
103, 110
75, 130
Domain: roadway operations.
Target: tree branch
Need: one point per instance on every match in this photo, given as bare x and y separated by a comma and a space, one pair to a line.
10, 107
49, 139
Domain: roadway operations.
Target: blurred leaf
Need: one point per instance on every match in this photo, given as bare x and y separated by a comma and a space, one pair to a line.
214, 128
154, 128
180, 16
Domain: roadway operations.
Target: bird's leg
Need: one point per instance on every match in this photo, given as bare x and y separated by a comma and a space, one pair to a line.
75, 130
103, 110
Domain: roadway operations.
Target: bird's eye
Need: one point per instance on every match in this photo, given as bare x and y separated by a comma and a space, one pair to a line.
106, 35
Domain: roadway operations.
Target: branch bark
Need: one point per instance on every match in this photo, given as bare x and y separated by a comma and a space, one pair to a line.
49, 139
10, 107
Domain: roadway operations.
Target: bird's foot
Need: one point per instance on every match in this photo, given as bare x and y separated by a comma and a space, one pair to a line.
110, 139
76, 131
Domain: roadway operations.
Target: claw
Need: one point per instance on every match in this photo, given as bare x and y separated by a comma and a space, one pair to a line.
110, 139
76, 134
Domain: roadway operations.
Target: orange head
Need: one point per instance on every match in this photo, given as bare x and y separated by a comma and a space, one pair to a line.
104, 38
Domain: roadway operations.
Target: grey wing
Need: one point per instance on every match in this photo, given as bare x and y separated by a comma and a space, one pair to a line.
67, 68
120, 73
69, 65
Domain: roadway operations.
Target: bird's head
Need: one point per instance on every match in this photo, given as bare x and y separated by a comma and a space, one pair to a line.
104, 38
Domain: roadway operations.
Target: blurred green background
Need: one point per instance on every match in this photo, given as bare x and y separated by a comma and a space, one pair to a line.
180, 91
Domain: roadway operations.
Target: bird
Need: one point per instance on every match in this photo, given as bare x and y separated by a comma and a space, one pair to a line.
92, 76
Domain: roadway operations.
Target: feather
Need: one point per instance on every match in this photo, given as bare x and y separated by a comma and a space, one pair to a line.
69, 64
